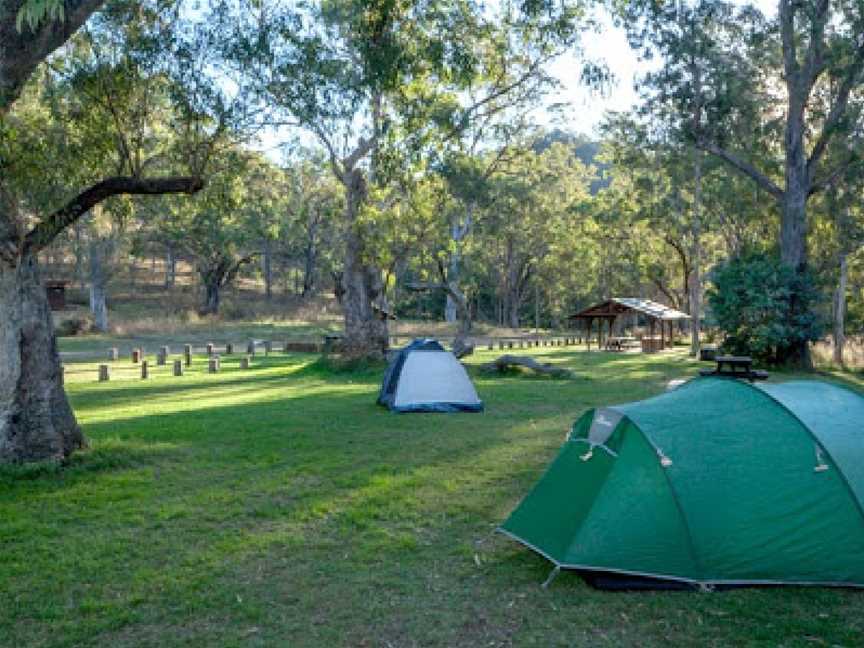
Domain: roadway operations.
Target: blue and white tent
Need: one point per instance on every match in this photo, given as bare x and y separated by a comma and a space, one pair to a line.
423, 377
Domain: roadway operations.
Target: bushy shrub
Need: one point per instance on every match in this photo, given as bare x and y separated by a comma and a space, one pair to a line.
764, 308
74, 326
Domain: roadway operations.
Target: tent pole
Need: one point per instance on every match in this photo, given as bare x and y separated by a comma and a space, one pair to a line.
551, 576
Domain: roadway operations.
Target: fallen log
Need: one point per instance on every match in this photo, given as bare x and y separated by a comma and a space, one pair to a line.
506, 361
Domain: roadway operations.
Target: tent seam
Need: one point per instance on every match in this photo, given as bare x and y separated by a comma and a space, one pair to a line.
697, 562
818, 441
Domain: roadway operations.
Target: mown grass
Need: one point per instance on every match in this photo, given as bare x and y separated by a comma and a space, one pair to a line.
282, 507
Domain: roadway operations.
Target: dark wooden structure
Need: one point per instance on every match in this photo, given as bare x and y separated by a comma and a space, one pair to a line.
56, 291
735, 367
660, 319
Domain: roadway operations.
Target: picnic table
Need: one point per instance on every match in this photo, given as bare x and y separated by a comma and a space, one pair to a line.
735, 367
618, 343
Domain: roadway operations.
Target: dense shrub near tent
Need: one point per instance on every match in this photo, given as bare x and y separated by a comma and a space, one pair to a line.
764, 308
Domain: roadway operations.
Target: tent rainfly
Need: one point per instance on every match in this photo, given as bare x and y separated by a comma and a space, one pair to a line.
423, 377
719, 482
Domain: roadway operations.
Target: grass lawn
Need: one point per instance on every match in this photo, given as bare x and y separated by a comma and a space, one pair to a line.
282, 507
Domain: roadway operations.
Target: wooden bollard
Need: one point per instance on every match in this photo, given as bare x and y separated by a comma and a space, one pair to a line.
209, 348
244, 362
187, 354
103, 373
268, 347
229, 348
510, 344
213, 364
162, 356
250, 348
136, 356
144, 371
178, 368
113, 354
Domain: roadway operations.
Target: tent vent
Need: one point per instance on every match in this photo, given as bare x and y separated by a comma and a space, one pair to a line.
664, 460
821, 466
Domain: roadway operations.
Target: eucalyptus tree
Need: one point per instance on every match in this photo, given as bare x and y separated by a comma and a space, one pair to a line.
309, 232
725, 67
536, 203
36, 421
380, 84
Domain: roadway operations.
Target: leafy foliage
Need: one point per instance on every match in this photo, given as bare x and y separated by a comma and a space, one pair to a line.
765, 308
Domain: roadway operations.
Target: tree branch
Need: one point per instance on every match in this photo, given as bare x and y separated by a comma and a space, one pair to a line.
743, 167
838, 110
48, 229
21, 52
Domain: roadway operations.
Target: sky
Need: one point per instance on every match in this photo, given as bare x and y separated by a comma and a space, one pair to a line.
587, 108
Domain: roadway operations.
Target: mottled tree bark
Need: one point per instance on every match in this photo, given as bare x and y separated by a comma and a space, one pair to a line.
36, 422
98, 284
365, 330
840, 311
696, 256
267, 268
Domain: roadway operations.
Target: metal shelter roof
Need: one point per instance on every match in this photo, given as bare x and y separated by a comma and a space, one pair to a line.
618, 305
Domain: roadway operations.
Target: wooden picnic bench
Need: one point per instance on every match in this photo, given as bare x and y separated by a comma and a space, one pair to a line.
735, 367
619, 343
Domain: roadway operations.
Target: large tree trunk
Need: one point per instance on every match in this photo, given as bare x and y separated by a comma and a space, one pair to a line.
36, 421
513, 312
98, 285
366, 333
458, 231
170, 267
793, 217
212, 289
696, 256
840, 311
267, 269
309, 259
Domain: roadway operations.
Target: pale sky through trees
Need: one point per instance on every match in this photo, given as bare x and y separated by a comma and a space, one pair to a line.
584, 109
588, 108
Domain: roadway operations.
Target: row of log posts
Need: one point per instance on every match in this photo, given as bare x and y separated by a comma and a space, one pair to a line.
213, 366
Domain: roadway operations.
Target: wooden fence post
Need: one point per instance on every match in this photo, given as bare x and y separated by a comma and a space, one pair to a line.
244, 362
178, 368
268, 347
209, 348
250, 348
229, 349
162, 356
213, 364
136, 356
144, 370
103, 373
187, 354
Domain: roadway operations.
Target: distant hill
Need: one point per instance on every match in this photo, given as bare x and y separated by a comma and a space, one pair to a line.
583, 148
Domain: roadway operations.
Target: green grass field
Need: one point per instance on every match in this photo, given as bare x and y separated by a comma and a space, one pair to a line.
282, 507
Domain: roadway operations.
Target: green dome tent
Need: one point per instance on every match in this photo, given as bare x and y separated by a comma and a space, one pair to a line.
719, 482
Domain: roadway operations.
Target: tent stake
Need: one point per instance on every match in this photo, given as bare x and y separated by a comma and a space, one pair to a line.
551, 577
